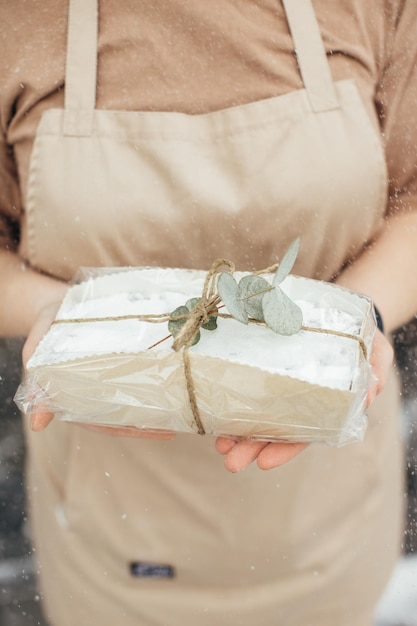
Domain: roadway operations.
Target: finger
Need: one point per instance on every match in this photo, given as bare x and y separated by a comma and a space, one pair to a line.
126, 431
276, 454
224, 444
242, 454
381, 361
371, 395
40, 419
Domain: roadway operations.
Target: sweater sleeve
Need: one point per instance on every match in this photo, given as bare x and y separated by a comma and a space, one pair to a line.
397, 103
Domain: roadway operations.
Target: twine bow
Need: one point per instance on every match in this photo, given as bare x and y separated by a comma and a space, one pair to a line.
204, 309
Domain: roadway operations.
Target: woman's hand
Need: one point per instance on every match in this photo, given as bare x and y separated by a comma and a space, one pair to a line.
239, 454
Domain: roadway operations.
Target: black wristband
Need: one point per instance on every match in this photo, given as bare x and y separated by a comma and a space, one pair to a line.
379, 321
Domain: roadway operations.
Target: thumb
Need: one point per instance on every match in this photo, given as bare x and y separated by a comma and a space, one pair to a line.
40, 419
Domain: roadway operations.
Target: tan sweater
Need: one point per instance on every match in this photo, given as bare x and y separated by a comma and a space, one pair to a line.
195, 57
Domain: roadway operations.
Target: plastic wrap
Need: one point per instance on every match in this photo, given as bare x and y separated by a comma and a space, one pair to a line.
100, 363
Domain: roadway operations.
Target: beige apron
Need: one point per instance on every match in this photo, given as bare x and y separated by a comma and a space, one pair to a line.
311, 543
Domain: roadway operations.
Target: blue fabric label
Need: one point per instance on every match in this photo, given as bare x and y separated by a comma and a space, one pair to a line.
141, 569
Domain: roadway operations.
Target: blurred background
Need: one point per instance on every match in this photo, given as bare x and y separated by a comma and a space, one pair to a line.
19, 602
19, 599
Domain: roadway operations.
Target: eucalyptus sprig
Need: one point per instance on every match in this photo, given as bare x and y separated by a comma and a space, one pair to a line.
252, 298
255, 298
182, 312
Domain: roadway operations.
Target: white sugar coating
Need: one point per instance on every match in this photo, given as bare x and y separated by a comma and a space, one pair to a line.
317, 358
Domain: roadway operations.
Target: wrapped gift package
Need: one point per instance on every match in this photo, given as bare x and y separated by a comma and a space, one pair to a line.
101, 362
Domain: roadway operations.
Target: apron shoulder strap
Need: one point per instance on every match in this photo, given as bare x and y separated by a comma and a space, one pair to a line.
81, 67
311, 55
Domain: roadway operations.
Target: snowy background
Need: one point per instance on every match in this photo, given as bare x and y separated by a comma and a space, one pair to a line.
398, 606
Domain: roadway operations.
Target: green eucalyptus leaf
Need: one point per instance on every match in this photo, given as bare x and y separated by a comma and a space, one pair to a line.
248, 287
211, 324
196, 338
192, 303
228, 291
287, 263
174, 326
281, 314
